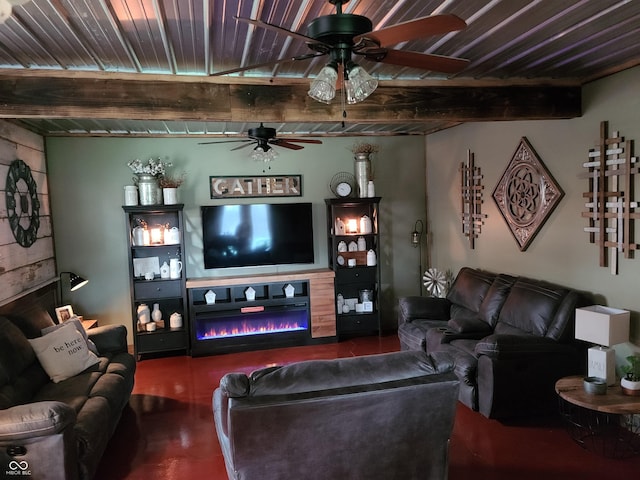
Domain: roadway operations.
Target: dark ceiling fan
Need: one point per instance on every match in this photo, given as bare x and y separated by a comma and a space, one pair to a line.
263, 137
342, 35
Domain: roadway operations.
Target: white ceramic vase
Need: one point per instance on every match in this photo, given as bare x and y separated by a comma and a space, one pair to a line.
156, 314
170, 196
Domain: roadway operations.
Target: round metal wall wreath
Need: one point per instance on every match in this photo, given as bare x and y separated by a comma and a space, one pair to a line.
23, 206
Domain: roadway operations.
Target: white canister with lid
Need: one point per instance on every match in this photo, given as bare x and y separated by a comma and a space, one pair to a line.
175, 320
137, 235
362, 244
172, 236
371, 258
365, 224
131, 195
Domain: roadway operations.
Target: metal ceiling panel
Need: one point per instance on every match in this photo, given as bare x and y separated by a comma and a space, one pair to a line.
541, 40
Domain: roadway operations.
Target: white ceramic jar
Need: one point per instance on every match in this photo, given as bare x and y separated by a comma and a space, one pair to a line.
175, 320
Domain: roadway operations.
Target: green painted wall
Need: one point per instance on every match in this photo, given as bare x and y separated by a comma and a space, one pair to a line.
561, 252
87, 176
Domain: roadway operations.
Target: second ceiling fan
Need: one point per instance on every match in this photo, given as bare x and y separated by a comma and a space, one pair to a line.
263, 138
342, 35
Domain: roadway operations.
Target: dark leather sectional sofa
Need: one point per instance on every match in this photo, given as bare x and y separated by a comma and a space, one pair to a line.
511, 338
59, 431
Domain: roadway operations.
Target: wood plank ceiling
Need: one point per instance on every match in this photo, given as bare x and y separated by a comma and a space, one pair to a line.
143, 67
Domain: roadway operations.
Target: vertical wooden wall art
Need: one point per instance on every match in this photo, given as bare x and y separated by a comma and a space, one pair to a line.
610, 206
471, 191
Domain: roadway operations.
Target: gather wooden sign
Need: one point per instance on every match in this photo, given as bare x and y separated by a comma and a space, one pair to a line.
256, 186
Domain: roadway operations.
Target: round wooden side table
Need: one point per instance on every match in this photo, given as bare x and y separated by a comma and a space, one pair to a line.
608, 424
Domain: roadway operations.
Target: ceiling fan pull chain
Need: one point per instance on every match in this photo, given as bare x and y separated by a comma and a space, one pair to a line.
343, 95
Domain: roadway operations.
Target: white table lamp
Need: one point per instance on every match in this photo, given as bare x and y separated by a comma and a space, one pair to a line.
604, 326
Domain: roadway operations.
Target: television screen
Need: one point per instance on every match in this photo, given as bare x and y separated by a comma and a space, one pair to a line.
257, 234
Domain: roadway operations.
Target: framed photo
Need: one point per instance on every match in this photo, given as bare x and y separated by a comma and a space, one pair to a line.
64, 313
143, 265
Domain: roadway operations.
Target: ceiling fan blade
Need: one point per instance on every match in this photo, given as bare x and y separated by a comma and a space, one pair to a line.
276, 28
243, 146
296, 140
424, 61
222, 141
267, 64
283, 143
412, 29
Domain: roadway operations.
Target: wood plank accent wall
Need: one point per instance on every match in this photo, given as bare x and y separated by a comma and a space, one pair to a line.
24, 269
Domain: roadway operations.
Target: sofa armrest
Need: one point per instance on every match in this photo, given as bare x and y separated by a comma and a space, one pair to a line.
109, 338
469, 327
502, 346
36, 419
424, 308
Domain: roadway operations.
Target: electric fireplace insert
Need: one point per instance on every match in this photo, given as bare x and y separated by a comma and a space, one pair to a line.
235, 323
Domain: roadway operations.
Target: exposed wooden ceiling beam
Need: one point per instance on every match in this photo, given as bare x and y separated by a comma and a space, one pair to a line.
102, 97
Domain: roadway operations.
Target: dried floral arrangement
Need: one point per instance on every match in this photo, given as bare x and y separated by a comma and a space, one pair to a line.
152, 167
172, 181
364, 147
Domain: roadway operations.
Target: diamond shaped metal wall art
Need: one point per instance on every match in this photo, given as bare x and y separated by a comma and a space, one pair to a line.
526, 194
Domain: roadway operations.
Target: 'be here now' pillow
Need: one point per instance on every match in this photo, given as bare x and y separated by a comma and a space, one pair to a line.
63, 352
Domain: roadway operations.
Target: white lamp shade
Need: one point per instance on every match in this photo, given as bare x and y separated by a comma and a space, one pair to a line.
602, 325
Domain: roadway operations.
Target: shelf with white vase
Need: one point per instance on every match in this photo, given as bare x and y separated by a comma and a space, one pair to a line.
156, 249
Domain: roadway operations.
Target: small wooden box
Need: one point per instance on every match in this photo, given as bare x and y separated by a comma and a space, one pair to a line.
360, 256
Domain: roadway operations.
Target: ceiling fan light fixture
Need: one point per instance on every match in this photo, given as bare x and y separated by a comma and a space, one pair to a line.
263, 153
323, 87
359, 84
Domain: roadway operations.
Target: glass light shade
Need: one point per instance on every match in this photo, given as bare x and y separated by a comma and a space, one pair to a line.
359, 85
264, 155
323, 87
415, 238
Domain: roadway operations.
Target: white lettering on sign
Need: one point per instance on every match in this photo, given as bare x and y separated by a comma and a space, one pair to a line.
258, 186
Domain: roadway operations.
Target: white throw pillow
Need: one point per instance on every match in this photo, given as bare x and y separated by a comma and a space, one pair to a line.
75, 321
63, 352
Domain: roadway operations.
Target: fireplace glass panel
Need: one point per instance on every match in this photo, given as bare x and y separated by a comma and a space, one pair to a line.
237, 324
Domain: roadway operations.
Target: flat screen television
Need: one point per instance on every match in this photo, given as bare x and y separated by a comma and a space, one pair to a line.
257, 234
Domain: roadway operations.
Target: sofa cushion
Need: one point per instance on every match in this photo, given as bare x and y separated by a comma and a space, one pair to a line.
20, 374
466, 363
31, 323
469, 325
470, 288
531, 307
423, 308
63, 352
73, 391
495, 298
413, 335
